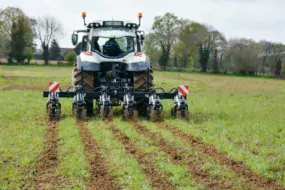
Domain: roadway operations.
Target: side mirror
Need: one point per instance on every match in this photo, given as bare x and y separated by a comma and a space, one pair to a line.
74, 39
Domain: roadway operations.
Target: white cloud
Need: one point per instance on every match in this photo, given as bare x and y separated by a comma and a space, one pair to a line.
257, 19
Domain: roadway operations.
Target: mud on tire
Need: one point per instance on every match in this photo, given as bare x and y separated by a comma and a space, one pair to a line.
140, 81
88, 85
140, 85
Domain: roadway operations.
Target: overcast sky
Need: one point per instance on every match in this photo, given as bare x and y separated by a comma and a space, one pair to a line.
257, 19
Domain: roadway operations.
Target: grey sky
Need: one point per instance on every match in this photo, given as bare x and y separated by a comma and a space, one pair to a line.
257, 19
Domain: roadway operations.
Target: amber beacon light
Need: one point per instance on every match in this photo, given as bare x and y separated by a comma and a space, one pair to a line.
83, 14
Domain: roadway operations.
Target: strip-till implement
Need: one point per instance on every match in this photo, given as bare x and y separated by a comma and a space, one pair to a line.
130, 110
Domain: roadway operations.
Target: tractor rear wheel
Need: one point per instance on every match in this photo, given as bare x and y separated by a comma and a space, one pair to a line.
88, 85
140, 81
141, 84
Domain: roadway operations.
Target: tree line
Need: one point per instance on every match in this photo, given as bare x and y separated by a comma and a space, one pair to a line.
19, 34
182, 43
172, 43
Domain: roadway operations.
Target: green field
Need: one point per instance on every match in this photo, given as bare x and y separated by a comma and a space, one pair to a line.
234, 139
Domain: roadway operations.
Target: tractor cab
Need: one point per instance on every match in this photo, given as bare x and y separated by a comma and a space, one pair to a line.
111, 39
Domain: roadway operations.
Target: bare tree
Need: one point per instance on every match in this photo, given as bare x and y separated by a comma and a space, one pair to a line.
45, 29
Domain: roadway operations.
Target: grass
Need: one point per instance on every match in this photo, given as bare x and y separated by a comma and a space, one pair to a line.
242, 117
22, 129
246, 127
72, 159
123, 167
217, 171
176, 174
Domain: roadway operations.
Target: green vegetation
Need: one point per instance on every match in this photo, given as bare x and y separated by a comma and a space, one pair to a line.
72, 159
122, 166
22, 128
178, 175
186, 44
70, 57
217, 171
240, 116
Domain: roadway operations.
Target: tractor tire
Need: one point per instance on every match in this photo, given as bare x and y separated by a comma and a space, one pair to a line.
140, 81
140, 85
88, 79
88, 85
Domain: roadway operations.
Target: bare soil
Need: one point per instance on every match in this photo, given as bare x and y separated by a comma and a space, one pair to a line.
98, 170
45, 175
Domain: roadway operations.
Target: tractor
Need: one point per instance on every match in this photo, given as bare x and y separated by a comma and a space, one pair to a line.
112, 70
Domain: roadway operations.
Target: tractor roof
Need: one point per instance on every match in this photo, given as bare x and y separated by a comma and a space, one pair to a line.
113, 24
114, 32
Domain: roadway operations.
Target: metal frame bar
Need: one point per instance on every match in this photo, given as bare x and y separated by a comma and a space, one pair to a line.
137, 95
96, 95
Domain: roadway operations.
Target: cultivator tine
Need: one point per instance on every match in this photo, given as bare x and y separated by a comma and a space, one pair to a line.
106, 114
79, 107
155, 108
105, 105
129, 106
130, 114
180, 109
53, 106
155, 115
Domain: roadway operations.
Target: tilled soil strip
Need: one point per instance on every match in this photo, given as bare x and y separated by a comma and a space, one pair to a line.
194, 162
144, 160
45, 169
99, 176
257, 181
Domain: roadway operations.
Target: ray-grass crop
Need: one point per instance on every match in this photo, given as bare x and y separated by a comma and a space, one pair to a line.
242, 117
